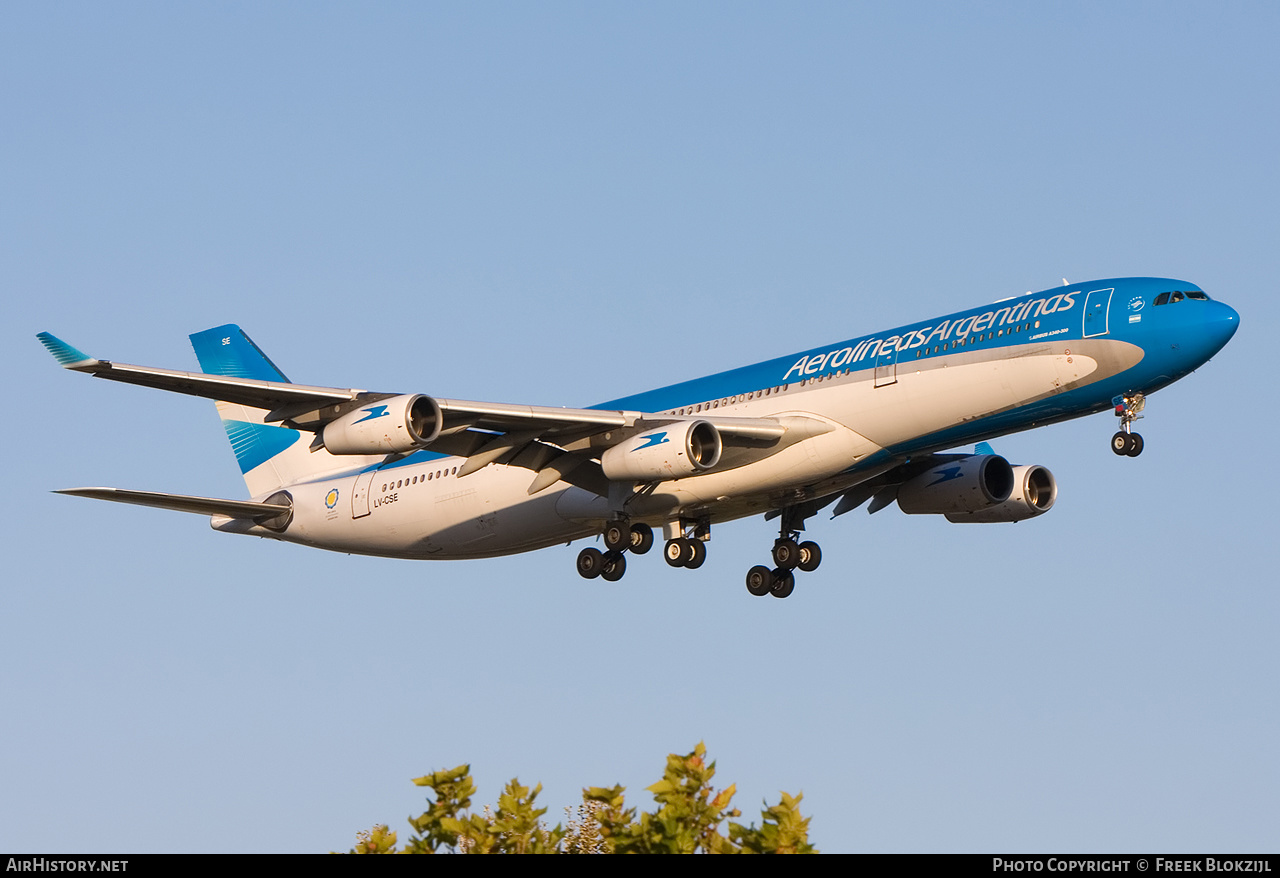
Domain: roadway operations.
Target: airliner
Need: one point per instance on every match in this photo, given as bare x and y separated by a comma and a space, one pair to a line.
869, 421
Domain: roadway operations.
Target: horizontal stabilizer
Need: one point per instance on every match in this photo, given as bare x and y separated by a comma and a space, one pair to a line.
259, 512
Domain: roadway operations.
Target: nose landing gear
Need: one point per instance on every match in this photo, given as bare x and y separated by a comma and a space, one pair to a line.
1125, 442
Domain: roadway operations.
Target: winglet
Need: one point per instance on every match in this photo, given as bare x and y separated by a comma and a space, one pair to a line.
67, 356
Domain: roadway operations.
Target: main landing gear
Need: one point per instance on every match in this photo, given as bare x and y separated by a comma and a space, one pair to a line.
689, 549
619, 537
788, 556
1125, 442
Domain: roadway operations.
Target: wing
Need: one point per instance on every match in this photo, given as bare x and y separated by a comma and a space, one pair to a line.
269, 395
555, 443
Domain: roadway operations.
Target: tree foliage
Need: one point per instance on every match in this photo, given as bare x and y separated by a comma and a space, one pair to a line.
688, 815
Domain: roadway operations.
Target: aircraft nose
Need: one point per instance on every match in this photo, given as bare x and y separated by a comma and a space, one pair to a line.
1209, 329
1222, 323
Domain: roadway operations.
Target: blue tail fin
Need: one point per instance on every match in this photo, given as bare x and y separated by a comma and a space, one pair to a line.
226, 350
270, 456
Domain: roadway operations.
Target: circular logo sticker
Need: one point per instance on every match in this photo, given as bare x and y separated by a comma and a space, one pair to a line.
331, 499
1136, 303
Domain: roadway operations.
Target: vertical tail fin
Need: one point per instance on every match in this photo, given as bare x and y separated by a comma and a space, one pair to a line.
226, 350
270, 456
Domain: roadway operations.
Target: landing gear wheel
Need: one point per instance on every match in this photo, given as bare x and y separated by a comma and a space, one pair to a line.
786, 554
678, 552
590, 563
617, 536
641, 539
1128, 410
810, 557
615, 564
759, 580
784, 582
699, 549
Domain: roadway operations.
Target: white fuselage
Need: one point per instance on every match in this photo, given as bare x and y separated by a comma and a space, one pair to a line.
422, 509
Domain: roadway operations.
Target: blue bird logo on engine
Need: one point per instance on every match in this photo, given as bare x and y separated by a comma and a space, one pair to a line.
948, 474
652, 440
376, 412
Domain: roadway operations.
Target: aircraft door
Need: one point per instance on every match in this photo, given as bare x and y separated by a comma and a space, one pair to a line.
1097, 305
887, 366
360, 494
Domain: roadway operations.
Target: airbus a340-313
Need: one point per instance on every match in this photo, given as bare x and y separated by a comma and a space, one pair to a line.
408, 475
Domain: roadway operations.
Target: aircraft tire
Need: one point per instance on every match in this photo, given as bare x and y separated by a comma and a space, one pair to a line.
1120, 443
698, 550
810, 557
1135, 445
617, 536
759, 580
784, 582
678, 552
786, 554
615, 565
641, 539
590, 563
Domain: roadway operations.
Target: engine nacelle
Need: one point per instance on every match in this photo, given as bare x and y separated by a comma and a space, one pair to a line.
400, 424
976, 482
1034, 491
672, 451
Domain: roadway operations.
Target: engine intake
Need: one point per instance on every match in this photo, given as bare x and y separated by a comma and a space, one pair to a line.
672, 451
1034, 493
397, 425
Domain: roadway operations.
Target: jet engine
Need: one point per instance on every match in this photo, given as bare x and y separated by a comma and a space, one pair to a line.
672, 451
1034, 490
400, 424
969, 484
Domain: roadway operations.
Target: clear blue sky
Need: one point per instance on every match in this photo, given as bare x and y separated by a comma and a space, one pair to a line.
562, 203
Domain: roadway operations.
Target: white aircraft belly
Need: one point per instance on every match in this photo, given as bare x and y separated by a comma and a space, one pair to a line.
930, 396
486, 513
935, 399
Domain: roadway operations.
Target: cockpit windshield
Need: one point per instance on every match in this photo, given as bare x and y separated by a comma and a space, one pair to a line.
1179, 295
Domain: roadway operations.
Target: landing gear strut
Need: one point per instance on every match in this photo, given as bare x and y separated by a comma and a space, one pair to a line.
1125, 442
788, 556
